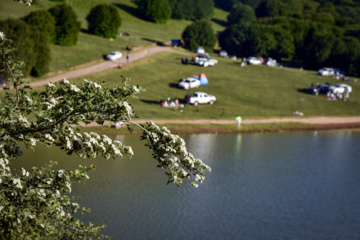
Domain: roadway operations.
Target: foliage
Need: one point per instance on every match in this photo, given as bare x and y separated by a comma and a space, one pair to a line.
104, 21
66, 25
30, 44
310, 31
43, 21
199, 34
34, 204
158, 11
240, 40
241, 13
192, 9
26, 2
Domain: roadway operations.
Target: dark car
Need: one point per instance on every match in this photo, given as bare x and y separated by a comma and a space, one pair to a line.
321, 88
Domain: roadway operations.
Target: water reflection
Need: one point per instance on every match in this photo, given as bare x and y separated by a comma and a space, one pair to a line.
263, 186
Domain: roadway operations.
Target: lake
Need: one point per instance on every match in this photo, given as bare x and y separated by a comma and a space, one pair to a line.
302, 185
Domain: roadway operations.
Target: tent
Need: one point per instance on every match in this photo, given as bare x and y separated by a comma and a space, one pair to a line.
203, 79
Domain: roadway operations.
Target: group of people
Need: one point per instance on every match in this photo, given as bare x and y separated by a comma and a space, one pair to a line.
333, 96
169, 103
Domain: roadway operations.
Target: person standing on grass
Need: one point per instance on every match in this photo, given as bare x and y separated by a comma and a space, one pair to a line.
238, 119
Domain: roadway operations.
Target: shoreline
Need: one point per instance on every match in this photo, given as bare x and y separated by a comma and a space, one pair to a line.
230, 127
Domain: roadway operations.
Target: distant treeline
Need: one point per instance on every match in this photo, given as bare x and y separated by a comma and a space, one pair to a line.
313, 32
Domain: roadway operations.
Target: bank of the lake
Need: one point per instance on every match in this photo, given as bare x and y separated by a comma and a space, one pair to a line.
213, 128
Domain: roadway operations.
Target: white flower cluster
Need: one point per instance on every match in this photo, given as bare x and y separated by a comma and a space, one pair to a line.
93, 83
92, 144
128, 109
170, 150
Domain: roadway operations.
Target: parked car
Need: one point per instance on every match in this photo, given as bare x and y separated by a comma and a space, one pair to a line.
199, 50
205, 60
188, 83
270, 62
254, 60
320, 88
340, 88
200, 98
326, 71
223, 53
113, 55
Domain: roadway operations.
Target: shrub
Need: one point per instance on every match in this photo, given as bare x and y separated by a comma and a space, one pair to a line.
43, 21
31, 45
104, 21
66, 25
199, 34
158, 11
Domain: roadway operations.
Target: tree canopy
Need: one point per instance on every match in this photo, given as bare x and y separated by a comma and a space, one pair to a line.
34, 203
158, 11
67, 26
30, 44
198, 34
43, 21
104, 21
317, 33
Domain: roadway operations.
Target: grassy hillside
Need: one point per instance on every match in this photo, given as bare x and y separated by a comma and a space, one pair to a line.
91, 48
251, 91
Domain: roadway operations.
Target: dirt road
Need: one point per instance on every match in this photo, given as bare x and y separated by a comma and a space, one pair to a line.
103, 66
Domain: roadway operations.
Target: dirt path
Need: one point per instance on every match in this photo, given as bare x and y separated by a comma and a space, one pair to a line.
319, 121
103, 66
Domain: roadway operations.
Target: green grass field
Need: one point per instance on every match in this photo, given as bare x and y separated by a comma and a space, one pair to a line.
251, 91
92, 48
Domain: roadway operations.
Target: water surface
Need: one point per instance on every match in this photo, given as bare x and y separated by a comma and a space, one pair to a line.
263, 186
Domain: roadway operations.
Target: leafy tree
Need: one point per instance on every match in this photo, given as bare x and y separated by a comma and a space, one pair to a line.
192, 9
228, 4
158, 11
181, 9
104, 21
283, 7
30, 44
241, 40
34, 204
43, 21
198, 34
241, 13
66, 25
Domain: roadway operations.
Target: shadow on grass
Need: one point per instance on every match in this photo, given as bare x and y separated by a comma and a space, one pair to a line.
174, 85
220, 22
304, 90
161, 44
150, 102
131, 10
83, 30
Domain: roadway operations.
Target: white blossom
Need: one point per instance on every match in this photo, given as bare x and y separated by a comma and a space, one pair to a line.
128, 108
32, 142
17, 183
51, 84
29, 99
97, 85
49, 137
68, 143
65, 81
136, 89
107, 140
2, 35
74, 88
25, 173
